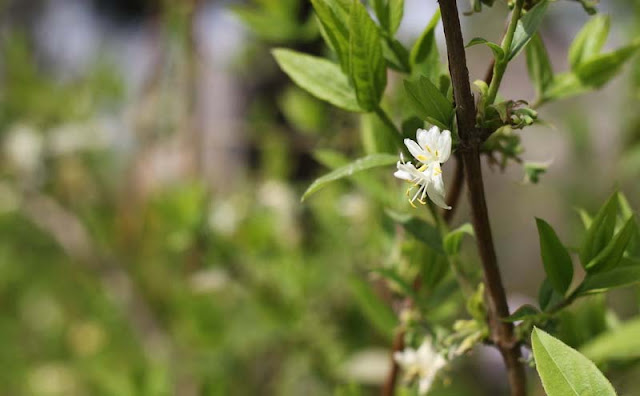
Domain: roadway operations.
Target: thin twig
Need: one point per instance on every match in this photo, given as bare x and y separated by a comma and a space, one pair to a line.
471, 138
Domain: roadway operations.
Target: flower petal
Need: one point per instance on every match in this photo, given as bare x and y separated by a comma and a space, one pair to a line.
444, 146
424, 384
416, 151
404, 175
435, 190
421, 137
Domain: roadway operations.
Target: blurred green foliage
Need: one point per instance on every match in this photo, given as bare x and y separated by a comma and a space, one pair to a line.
110, 289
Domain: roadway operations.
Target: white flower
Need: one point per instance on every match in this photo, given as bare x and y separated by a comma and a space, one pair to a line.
422, 364
432, 149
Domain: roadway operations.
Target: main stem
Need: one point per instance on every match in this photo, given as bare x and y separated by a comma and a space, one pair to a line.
470, 141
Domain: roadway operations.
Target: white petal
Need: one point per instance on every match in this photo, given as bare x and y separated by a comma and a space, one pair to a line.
425, 384
435, 190
400, 174
415, 150
444, 146
421, 137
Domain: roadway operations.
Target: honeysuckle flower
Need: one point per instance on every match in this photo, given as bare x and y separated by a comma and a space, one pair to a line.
422, 364
432, 149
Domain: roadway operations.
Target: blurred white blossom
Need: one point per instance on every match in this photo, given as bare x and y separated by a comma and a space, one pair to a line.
209, 280
224, 218
422, 364
368, 366
23, 147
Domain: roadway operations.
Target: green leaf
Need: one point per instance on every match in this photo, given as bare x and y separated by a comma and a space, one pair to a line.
366, 181
334, 18
527, 27
621, 343
547, 296
524, 312
453, 240
420, 229
589, 40
565, 85
368, 71
498, 53
373, 308
623, 275
601, 230
429, 103
396, 55
359, 165
381, 9
424, 56
396, 12
539, 65
564, 371
611, 255
555, 257
389, 13
600, 69
320, 77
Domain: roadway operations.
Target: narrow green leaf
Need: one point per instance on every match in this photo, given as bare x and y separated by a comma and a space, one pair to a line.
389, 14
555, 257
320, 77
585, 218
564, 371
539, 65
453, 240
420, 229
621, 343
623, 275
602, 68
379, 313
359, 165
601, 230
396, 12
334, 19
367, 182
424, 56
589, 40
527, 26
396, 54
429, 103
524, 312
368, 71
381, 9
565, 85
611, 255
498, 53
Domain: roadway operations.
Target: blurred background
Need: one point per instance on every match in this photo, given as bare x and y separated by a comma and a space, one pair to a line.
152, 239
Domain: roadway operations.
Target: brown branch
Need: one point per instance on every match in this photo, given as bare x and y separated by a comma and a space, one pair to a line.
471, 138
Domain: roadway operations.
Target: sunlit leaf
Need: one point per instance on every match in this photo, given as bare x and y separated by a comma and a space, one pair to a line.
564, 371
527, 26
367, 66
359, 165
320, 77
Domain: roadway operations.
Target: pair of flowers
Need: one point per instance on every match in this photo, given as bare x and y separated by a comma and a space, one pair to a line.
431, 149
